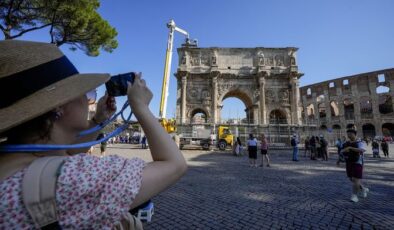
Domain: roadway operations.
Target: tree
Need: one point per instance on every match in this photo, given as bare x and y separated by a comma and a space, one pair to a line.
73, 22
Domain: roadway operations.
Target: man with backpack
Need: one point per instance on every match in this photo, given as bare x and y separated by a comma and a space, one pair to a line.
294, 143
324, 147
353, 150
385, 148
375, 148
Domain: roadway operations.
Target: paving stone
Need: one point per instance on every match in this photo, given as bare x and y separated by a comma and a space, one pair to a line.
221, 191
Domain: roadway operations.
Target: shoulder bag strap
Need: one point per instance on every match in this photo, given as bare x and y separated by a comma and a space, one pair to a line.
39, 191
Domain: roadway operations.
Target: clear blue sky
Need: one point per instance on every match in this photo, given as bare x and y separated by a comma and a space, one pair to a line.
335, 37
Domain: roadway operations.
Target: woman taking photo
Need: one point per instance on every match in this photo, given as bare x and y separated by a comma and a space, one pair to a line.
44, 100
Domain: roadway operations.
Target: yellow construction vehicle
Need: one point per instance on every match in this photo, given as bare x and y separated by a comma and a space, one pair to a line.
206, 138
169, 124
225, 137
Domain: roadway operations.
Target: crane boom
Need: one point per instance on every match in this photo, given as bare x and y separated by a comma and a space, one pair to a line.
167, 66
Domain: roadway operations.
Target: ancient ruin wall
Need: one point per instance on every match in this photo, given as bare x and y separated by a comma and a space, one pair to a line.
364, 100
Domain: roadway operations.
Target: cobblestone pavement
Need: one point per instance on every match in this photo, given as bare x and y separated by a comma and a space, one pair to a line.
221, 191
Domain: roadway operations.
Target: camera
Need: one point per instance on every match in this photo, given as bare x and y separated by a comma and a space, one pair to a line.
117, 85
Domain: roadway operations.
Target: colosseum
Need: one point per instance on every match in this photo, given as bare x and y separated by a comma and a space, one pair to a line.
364, 101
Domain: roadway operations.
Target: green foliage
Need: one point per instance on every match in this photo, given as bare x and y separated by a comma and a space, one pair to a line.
73, 22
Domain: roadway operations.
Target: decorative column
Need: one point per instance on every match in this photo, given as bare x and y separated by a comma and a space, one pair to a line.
263, 112
183, 104
255, 114
214, 77
295, 91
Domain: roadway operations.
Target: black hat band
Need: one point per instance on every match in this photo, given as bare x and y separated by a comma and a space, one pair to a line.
22, 84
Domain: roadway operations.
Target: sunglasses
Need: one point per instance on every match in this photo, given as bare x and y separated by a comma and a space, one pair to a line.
91, 96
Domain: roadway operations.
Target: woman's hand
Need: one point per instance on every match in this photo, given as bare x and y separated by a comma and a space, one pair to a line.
138, 93
106, 107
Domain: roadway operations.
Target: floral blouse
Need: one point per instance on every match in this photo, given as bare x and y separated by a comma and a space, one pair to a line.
91, 193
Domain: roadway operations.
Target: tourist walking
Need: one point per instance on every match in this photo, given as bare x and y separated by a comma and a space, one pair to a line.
375, 148
307, 147
385, 147
353, 150
264, 151
252, 149
324, 147
294, 143
238, 147
312, 143
143, 142
318, 147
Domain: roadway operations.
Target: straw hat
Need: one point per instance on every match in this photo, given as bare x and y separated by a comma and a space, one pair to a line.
36, 78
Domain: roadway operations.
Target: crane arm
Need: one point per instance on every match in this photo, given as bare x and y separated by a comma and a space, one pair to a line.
167, 66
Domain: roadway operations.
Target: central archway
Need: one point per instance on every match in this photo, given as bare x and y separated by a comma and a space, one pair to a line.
245, 99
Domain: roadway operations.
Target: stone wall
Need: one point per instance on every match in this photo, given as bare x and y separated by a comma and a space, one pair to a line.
365, 100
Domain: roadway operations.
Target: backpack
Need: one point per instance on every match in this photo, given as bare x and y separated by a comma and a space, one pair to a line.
293, 142
323, 143
39, 190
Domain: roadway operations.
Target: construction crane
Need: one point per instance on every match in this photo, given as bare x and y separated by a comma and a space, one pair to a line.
170, 125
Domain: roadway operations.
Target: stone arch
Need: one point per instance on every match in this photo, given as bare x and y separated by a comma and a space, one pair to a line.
388, 129
366, 107
334, 108
246, 99
260, 89
278, 116
303, 113
368, 130
196, 111
349, 109
385, 104
310, 111
322, 110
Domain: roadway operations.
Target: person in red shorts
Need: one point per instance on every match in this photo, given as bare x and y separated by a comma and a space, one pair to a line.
353, 150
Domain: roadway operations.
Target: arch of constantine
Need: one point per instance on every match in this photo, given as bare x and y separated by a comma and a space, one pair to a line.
266, 80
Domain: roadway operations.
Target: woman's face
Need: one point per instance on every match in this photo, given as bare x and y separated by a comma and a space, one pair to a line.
75, 115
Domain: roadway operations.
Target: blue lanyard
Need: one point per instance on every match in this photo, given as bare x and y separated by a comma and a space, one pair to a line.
44, 148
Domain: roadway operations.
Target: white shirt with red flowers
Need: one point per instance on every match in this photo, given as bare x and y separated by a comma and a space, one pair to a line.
91, 193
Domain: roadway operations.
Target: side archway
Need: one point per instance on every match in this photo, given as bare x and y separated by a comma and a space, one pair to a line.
278, 116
